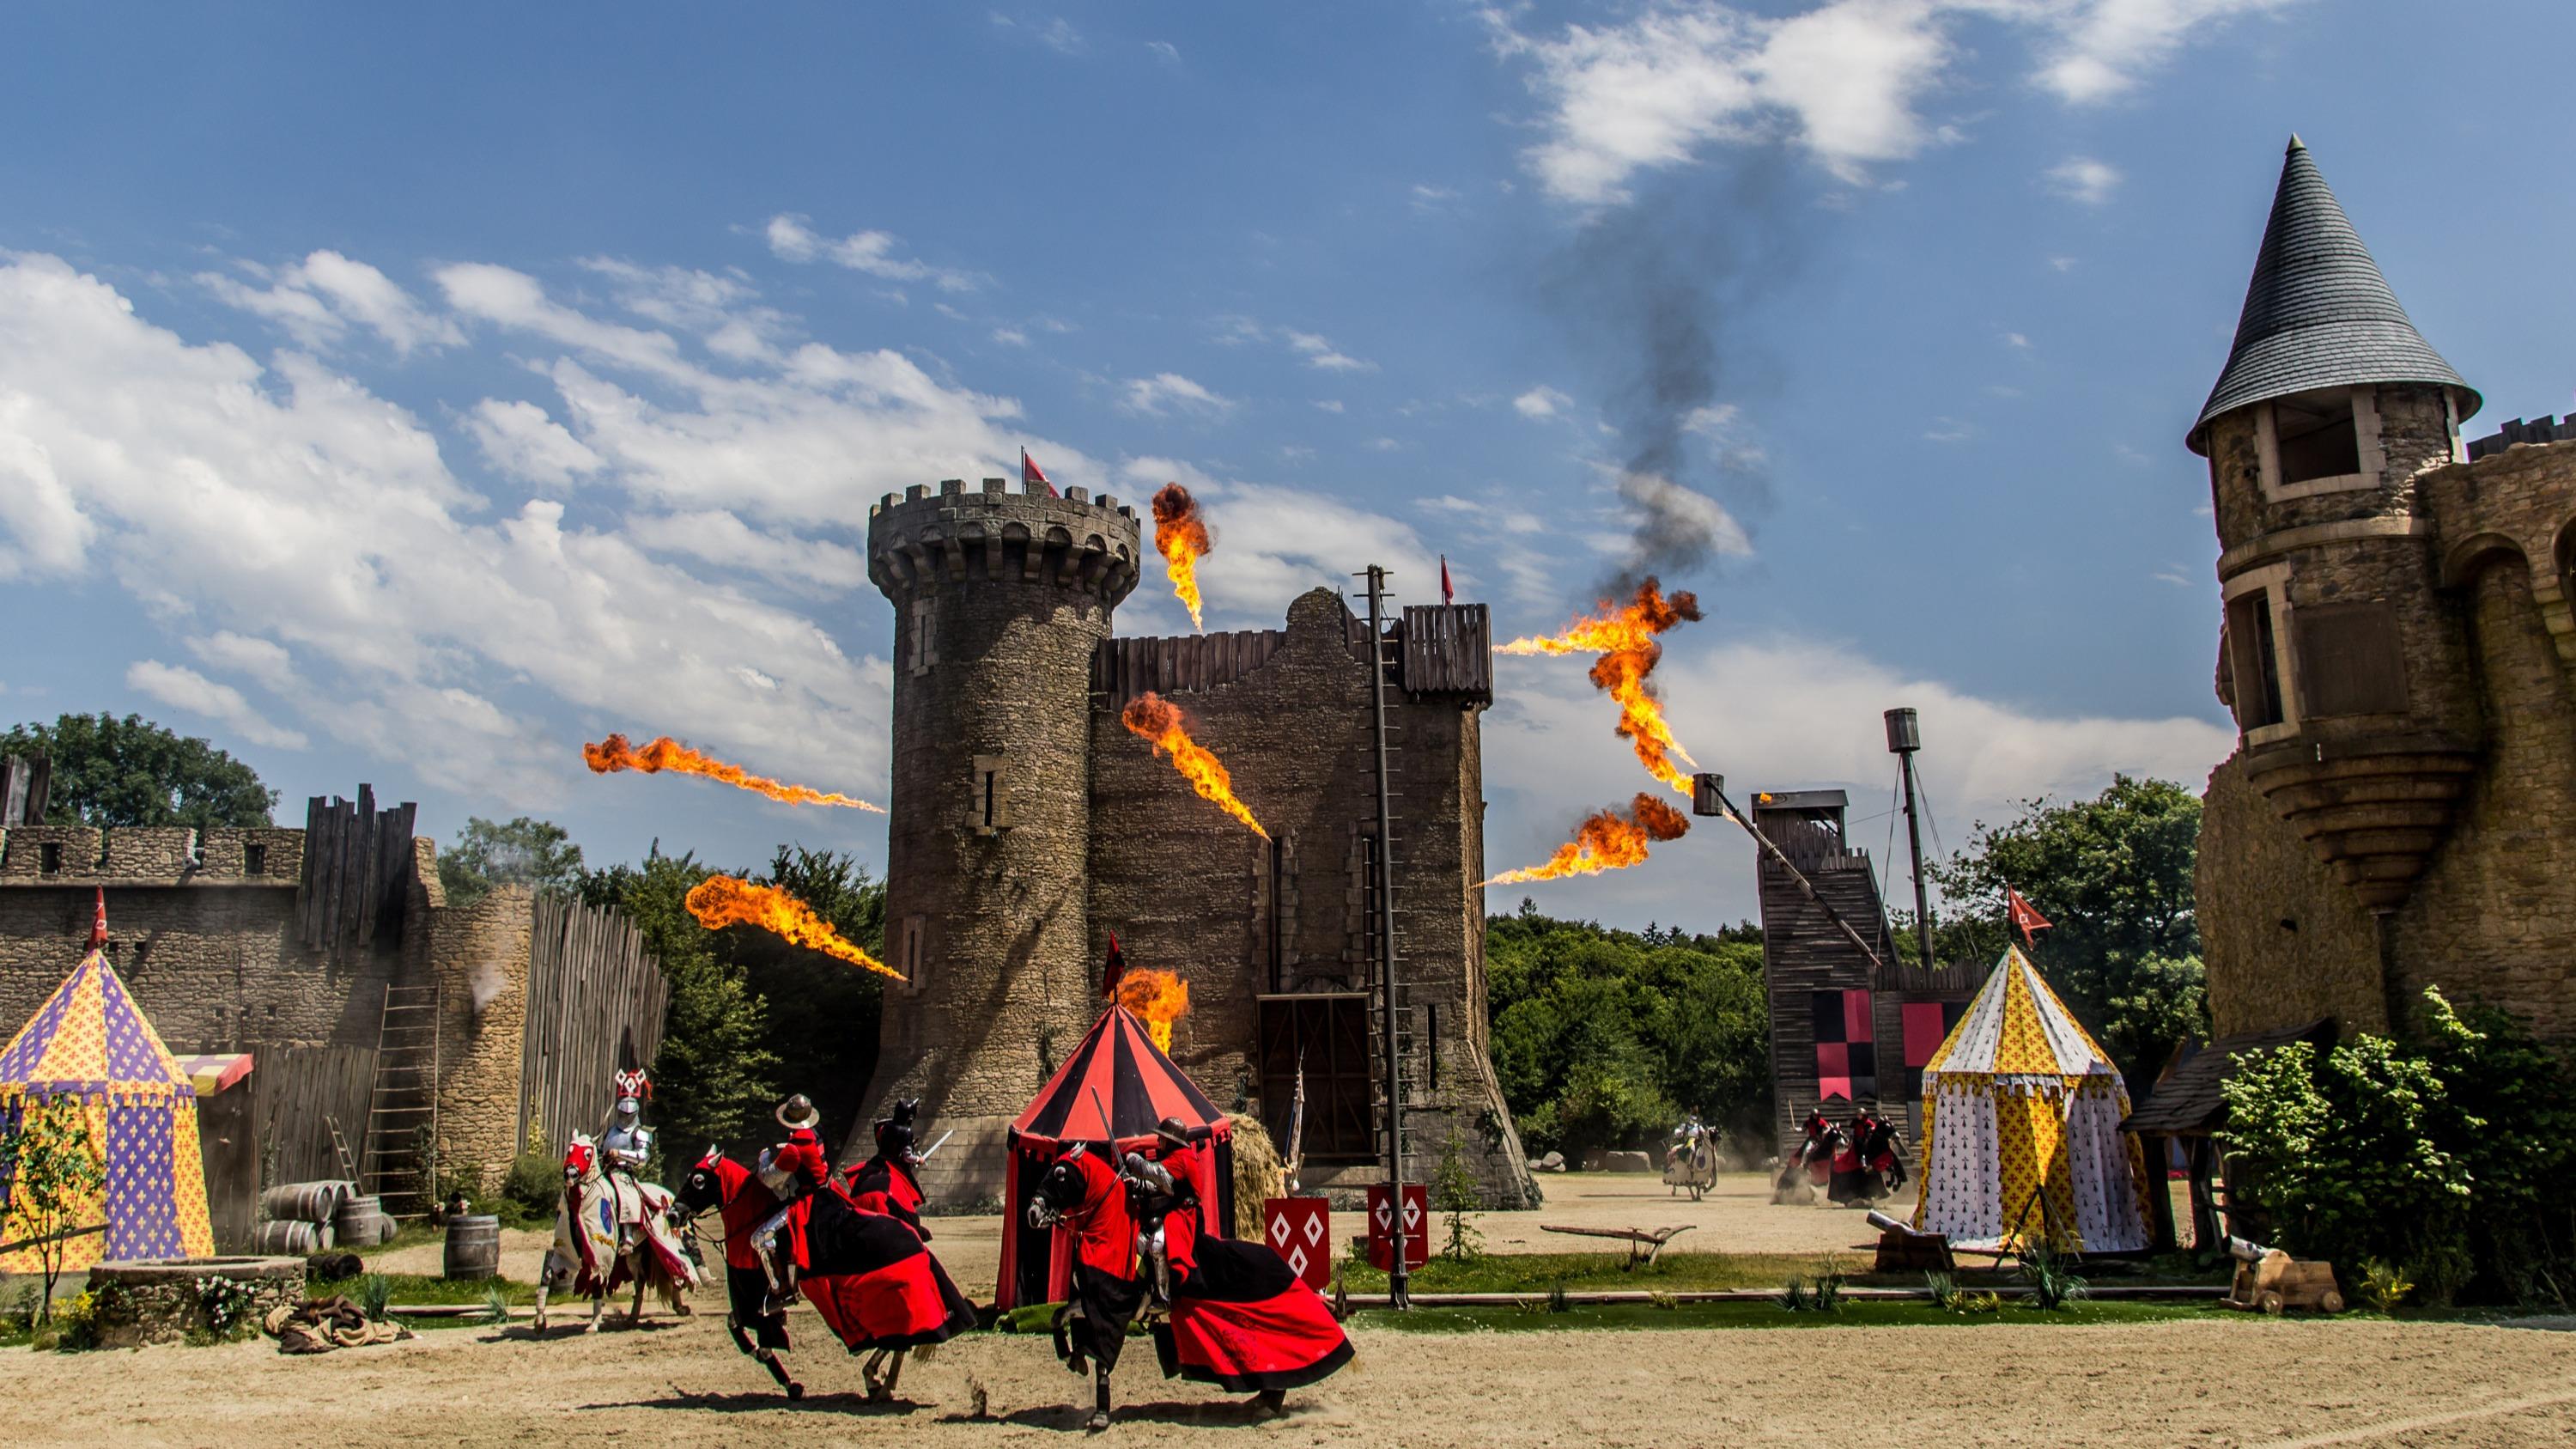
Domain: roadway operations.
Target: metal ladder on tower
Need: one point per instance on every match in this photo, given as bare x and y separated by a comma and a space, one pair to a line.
403, 1101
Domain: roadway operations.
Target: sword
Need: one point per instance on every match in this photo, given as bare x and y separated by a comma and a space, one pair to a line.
935, 1146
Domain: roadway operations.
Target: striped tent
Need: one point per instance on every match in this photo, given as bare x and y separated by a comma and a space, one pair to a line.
1107, 1095
2021, 1128
89, 1051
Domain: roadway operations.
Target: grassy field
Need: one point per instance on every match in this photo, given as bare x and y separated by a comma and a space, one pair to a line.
1536, 1317
413, 1288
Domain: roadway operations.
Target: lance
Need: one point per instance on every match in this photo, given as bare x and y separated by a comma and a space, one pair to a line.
935, 1146
1711, 789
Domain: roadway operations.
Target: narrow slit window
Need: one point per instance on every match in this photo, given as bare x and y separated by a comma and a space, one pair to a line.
254, 860
49, 857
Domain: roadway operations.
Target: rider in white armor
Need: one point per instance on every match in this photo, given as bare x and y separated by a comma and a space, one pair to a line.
625, 1143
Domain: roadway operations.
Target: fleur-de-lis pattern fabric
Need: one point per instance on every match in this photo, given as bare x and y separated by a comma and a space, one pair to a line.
2021, 1127
90, 1052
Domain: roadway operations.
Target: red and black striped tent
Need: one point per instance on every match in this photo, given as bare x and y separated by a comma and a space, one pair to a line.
1107, 1095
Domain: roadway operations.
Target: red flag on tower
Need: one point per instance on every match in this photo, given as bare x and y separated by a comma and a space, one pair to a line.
98, 922
1112, 969
1030, 473
1448, 595
2025, 917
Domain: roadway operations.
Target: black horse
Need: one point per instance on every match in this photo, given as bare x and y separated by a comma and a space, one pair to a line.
1813, 1160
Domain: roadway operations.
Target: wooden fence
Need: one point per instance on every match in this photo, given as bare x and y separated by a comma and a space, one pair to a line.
1447, 649
596, 998
357, 862
299, 1088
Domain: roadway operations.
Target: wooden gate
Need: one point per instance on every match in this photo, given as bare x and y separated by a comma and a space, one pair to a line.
595, 1002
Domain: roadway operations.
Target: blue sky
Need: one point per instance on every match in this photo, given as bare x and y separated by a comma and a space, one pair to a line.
412, 396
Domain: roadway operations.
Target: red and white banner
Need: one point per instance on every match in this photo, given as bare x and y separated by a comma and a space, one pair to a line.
1300, 1230
1417, 1226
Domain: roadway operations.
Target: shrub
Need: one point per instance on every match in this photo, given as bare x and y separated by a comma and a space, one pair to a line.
2051, 1275
375, 1291
1828, 1295
2383, 1287
1794, 1297
2440, 1160
1943, 1291
534, 1186
225, 1306
1453, 1194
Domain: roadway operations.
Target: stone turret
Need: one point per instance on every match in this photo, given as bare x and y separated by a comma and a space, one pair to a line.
2352, 685
999, 600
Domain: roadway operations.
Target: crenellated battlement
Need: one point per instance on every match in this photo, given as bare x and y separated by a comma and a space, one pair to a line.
54, 855
954, 535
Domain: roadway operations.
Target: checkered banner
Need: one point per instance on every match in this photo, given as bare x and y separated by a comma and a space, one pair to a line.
1300, 1229
1417, 1226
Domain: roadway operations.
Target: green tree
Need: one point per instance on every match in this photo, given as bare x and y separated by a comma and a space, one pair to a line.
826, 1042
714, 1076
1603, 1038
2114, 875
50, 1172
110, 772
525, 852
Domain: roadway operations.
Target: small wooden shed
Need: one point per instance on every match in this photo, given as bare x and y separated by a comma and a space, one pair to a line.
2182, 1114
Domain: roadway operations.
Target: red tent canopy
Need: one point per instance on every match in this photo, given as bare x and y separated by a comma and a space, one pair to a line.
1108, 1095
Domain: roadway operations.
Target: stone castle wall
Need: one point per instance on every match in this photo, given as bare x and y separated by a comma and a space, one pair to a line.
1188, 889
2493, 918
478, 956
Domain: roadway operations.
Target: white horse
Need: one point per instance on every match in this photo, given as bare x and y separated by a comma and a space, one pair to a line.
609, 1229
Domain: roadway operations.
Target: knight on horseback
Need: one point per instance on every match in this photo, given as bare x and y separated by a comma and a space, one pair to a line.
890, 1182
789, 1170
1157, 1187
625, 1145
611, 1226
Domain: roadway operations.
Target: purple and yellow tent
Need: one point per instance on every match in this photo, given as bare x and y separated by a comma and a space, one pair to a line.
88, 1050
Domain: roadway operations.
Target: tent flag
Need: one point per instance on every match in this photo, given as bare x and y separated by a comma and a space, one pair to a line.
2021, 1127
89, 1050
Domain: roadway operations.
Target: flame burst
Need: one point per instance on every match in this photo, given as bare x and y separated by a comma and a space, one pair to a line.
1607, 840
1157, 998
614, 753
1183, 538
724, 900
1159, 721
1625, 636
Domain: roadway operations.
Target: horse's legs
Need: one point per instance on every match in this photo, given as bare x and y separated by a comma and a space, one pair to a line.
598, 1308
894, 1371
635, 1314
543, 1280
1099, 1419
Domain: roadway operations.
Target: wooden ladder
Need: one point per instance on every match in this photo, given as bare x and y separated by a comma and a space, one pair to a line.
405, 1099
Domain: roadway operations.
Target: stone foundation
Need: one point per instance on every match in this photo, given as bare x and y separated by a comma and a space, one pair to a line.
161, 1300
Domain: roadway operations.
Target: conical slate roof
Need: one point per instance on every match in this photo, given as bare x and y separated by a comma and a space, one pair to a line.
2318, 313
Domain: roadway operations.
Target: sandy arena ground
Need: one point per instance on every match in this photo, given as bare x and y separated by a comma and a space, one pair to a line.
1738, 1216
679, 1382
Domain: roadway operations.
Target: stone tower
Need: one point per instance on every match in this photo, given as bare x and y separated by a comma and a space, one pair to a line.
2352, 682
999, 600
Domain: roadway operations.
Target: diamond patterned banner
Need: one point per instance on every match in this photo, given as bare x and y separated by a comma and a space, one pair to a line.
1300, 1230
1417, 1214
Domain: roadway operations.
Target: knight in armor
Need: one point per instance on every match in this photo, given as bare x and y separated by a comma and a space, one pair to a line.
1158, 1187
626, 1144
890, 1182
791, 1171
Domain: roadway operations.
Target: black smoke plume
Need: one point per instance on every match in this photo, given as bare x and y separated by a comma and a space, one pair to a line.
1656, 293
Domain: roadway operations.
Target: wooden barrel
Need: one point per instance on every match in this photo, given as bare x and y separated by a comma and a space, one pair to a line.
287, 1238
355, 1222
305, 1202
473, 1247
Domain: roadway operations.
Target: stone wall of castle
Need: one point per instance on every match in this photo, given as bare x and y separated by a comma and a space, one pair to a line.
2493, 918
1188, 889
478, 957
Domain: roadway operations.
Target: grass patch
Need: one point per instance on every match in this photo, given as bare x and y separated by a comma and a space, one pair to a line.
1854, 1313
406, 1235
402, 1288
1537, 1273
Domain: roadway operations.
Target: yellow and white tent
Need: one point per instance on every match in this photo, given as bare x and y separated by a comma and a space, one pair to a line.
2021, 1127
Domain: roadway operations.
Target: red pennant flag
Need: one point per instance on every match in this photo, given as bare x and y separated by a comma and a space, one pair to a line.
1112, 969
98, 922
1448, 595
2025, 917
1030, 473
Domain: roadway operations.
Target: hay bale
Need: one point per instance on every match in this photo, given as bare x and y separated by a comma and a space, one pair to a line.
1258, 1174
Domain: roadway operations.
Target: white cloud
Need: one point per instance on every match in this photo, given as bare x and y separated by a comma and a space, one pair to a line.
312, 539
871, 252
2100, 49
1948, 430
1164, 51
1430, 200
1010, 337
520, 440
1153, 396
1329, 404
1320, 353
182, 688
1383, 445
318, 299
2084, 179
1541, 402
1782, 713
1843, 80
1840, 81
2016, 341
2062, 264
